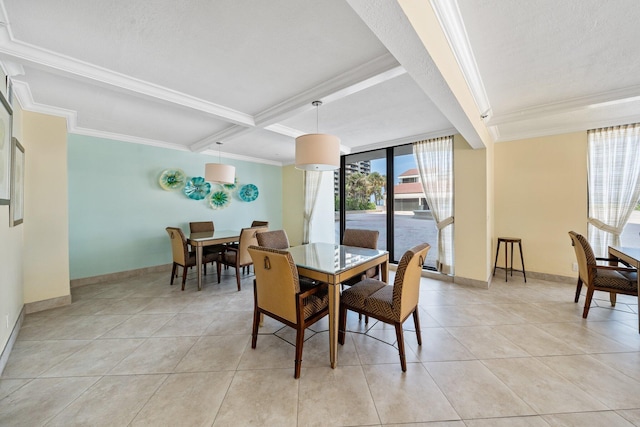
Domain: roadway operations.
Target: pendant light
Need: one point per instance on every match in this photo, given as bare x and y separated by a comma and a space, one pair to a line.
218, 172
317, 151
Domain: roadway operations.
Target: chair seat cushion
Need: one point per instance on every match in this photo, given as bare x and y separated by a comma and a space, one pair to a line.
624, 281
315, 303
380, 303
228, 257
356, 294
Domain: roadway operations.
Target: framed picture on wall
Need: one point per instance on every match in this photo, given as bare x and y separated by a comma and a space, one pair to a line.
16, 206
5, 150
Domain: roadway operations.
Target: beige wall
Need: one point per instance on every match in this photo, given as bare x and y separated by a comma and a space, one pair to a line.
541, 194
292, 203
46, 237
471, 202
11, 259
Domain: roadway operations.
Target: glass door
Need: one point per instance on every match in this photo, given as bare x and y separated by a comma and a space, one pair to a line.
382, 191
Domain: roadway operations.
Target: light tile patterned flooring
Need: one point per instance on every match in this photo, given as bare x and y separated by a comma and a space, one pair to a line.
139, 352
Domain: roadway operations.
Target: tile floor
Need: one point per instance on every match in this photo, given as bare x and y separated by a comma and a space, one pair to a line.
139, 352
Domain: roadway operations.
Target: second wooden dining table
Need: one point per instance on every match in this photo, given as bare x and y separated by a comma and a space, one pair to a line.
333, 264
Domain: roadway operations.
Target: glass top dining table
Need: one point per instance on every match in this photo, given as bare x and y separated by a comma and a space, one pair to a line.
333, 264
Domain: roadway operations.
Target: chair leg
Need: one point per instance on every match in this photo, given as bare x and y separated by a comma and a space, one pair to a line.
299, 344
184, 276
587, 302
612, 298
254, 332
578, 289
342, 324
416, 321
219, 270
238, 276
495, 263
173, 272
400, 338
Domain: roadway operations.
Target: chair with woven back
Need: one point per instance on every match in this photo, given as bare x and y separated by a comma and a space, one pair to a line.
389, 304
362, 238
274, 239
238, 257
181, 255
614, 279
277, 294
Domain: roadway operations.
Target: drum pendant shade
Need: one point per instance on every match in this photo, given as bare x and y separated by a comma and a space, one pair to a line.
317, 152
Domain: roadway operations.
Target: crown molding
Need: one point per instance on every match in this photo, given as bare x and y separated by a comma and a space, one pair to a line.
22, 93
224, 135
371, 73
450, 19
598, 100
404, 140
242, 158
49, 60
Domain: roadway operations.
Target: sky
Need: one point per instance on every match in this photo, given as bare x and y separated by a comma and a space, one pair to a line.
401, 164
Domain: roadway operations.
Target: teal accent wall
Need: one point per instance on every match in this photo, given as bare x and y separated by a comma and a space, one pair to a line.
118, 212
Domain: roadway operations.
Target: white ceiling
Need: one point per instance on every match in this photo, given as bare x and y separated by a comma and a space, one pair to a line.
184, 75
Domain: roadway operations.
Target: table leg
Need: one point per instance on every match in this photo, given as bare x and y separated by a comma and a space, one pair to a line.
199, 266
334, 310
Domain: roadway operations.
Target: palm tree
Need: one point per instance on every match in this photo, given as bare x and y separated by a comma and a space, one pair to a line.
377, 183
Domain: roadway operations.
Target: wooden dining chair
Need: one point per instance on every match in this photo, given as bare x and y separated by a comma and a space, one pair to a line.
182, 257
238, 257
260, 224
389, 304
277, 294
614, 279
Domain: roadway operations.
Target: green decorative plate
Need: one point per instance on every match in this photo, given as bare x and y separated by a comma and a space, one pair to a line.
219, 199
172, 179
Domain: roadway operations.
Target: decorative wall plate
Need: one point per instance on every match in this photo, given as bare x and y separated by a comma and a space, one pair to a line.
197, 188
231, 187
172, 179
248, 193
219, 199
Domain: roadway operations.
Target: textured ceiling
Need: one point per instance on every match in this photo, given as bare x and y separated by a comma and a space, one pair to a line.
187, 74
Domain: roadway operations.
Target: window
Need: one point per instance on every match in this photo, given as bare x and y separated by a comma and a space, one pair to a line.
383, 192
614, 186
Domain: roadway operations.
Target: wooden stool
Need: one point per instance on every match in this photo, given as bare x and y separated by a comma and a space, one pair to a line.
506, 241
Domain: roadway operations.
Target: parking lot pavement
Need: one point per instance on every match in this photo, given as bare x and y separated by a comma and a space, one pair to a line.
408, 232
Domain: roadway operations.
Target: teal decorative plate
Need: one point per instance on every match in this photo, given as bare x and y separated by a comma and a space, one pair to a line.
231, 187
219, 199
172, 179
248, 193
197, 188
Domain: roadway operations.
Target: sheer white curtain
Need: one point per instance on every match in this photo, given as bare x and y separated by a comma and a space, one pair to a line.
312, 181
614, 183
435, 165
